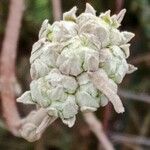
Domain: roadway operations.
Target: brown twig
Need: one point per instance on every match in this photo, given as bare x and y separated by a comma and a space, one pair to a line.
57, 12
134, 96
96, 127
140, 59
119, 5
146, 124
107, 116
33, 126
139, 140
7, 68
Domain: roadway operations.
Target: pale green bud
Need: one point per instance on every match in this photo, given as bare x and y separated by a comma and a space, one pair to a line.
77, 63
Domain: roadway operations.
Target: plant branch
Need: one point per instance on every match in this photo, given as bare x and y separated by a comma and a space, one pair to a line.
57, 12
7, 66
96, 127
139, 140
34, 125
140, 59
119, 5
134, 96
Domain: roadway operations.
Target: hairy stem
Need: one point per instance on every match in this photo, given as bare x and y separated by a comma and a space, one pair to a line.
7, 66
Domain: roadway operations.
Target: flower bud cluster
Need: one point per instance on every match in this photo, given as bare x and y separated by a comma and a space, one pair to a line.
65, 58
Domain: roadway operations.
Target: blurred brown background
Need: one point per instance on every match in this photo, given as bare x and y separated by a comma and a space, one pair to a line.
128, 131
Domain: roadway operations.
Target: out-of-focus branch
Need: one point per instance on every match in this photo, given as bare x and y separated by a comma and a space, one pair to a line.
57, 12
141, 58
107, 116
146, 124
7, 66
119, 5
119, 138
134, 96
96, 127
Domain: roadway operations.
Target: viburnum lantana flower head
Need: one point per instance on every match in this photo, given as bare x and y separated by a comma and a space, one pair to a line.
77, 63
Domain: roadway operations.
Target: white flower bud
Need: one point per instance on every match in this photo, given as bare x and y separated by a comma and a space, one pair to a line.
120, 16
104, 100
70, 108
45, 30
90, 9
83, 79
127, 36
70, 15
126, 50
63, 31
85, 100
26, 98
